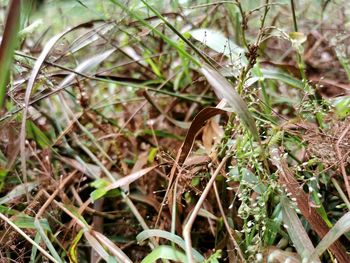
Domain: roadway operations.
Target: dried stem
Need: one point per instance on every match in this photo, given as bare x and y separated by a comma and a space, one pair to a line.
188, 225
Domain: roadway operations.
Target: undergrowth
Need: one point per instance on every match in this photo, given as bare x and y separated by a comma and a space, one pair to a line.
185, 131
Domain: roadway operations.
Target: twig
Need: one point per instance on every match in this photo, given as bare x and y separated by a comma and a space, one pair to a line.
188, 225
239, 251
55, 193
342, 165
3, 217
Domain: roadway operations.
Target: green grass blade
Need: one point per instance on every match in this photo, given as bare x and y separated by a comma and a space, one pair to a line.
340, 228
8, 45
178, 33
296, 231
283, 77
165, 252
224, 90
169, 236
157, 32
37, 240
47, 240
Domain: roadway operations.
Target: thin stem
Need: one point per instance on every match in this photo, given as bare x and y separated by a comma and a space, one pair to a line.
294, 17
239, 251
188, 226
341, 193
20, 231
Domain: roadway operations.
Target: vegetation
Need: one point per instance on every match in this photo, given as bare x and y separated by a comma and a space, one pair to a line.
175, 131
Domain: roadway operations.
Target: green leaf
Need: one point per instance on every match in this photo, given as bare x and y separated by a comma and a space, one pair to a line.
7, 211
37, 240
224, 90
8, 44
245, 175
169, 236
98, 193
342, 106
34, 132
25, 221
221, 44
165, 252
152, 154
283, 77
100, 183
126, 180
3, 174
44, 237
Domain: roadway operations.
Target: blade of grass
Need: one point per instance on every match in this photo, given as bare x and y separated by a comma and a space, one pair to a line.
8, 45
116, 251
37, 66
169, 236
43, 251
224, 90
157, 32
188, 225
98, 247
296, 231
122, 182
37, 240
18, 191
85, 66
72, 252
165, 252
178, 33
341, 227
47, 241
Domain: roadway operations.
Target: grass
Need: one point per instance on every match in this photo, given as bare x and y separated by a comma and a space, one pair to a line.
181, 132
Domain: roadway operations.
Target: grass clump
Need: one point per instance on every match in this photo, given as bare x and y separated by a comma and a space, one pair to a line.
188, 131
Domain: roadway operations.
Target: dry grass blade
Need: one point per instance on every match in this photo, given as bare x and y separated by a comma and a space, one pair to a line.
18, 191
198, 122
224, 90
8, 44
96, 246
86, 65
116, 251
130, 178
20, 231
226, 223
39, 62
